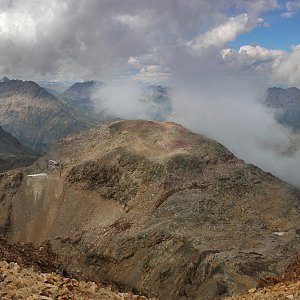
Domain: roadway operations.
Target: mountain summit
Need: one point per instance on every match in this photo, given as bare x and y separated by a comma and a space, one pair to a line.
155, 208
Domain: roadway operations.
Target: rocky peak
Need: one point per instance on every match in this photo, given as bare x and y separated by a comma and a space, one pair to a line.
4, 79
82, 89
27, 88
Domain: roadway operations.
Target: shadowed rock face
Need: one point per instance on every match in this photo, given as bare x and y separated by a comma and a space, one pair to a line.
34, 116
158, 209
13, 154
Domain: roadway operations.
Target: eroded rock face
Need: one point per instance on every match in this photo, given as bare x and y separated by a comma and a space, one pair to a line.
158, 209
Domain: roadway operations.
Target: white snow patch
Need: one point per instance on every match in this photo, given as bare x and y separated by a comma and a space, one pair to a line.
37, 175
279, 233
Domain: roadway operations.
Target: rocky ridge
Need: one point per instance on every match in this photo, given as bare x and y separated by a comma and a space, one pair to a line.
157, 209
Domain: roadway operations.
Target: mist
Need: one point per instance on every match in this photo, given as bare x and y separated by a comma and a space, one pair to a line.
222, 103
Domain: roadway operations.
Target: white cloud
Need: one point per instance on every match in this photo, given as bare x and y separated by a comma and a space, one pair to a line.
94, 38
254, 57
288, 71
224, 33
291, 8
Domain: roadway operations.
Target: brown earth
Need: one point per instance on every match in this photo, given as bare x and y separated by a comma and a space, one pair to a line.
157, 209
41, 259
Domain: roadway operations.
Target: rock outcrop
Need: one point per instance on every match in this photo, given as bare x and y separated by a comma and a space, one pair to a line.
157, 209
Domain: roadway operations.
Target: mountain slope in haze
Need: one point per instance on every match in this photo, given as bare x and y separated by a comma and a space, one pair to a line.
155, 208
157, 103
34, 116
286, 103
54, 87
13, 154
87, 97
80, 94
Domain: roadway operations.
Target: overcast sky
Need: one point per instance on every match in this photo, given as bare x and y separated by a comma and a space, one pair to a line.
96, 39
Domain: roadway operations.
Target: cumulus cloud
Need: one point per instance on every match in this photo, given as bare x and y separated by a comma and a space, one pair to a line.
291, 8
255, 58
224, 33
57, 39
288, 71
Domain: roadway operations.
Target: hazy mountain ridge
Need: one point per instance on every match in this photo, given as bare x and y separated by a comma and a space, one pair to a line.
88, 97
286, 103
80, 94
156, 208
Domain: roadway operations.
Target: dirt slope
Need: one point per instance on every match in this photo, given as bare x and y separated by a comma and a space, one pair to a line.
157, 209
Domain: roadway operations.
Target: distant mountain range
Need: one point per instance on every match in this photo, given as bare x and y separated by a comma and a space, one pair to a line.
39, 118
13, 154
35, 116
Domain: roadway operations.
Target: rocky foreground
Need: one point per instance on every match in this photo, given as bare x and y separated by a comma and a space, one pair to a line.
23, 283
155, 209
30, 277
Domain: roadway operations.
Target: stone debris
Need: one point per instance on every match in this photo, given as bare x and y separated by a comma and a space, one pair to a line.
280, 291
25, 283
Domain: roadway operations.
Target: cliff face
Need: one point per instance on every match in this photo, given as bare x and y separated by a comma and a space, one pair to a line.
155, 208
34, 116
